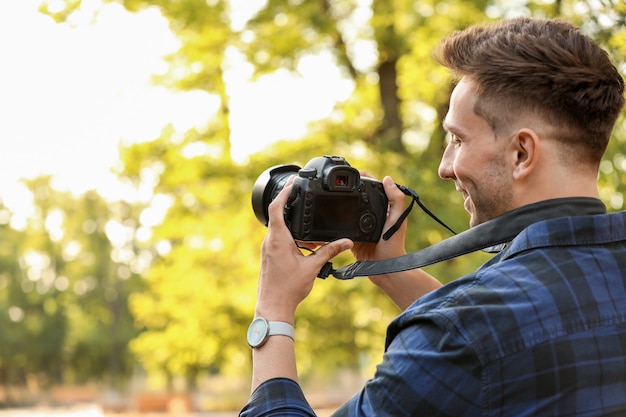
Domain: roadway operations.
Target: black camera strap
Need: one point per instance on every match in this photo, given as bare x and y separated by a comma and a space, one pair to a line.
415, 198
490, 234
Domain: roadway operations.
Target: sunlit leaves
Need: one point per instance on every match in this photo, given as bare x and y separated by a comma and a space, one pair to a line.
60, 10
64, 283
196, 230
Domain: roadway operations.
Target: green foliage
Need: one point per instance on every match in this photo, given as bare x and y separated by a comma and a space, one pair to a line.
65, 292
200, 289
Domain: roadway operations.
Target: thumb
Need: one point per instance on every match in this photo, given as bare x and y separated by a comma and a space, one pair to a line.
397, 199
332, 249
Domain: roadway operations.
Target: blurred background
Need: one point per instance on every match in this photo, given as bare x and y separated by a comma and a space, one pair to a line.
132, 132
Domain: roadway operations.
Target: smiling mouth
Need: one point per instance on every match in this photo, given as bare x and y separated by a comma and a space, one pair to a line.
463, 193
466, 199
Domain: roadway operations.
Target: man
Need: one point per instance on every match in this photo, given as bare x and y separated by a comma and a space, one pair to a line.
539, 330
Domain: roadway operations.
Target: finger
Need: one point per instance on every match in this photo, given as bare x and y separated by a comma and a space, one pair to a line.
330, 250
397, 200
276, 209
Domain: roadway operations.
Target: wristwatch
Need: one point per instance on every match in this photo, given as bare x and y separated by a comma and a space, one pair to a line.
260, 330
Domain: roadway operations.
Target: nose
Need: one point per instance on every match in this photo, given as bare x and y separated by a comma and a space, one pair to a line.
446, 170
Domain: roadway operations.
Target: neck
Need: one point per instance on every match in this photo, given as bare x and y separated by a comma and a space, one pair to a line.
557, 182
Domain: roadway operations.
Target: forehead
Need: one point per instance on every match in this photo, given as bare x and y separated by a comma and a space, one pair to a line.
461, 118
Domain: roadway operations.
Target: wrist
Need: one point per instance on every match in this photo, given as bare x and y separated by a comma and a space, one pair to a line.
380, 280
275, 313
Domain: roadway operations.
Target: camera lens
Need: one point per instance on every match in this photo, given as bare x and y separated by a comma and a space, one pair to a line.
267, 187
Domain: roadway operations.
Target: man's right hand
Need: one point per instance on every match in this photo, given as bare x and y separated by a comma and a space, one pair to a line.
402, 287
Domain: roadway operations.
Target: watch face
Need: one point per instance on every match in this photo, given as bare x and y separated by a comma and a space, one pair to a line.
257, 332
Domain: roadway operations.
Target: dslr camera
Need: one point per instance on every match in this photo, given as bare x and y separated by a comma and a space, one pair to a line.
329, 200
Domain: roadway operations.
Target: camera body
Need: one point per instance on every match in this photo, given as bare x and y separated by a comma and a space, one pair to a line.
329, 200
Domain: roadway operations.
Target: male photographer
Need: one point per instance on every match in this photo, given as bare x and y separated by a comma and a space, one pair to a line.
541, 328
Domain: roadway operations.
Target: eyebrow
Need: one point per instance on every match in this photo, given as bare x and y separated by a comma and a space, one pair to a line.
450, 128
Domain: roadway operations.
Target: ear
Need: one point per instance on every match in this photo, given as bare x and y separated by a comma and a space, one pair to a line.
526, 147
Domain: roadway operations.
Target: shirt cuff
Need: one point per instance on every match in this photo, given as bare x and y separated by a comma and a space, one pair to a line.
278, 396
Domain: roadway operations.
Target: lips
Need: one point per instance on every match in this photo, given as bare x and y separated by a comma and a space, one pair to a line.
466, 198
466, 204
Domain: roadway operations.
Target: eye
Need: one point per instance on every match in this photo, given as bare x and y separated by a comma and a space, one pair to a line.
453, 139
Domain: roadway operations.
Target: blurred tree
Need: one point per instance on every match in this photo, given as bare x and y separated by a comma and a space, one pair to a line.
64, 284
13, 336
102, 265
201, 287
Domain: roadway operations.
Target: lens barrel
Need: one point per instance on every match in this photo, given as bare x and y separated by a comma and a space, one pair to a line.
266, 188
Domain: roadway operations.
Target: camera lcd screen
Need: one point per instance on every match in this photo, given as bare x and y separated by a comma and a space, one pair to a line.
336, 212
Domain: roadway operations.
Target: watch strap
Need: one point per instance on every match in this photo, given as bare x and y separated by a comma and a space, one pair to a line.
280, 328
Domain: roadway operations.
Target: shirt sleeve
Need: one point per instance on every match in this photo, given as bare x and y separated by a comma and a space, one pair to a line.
277, 397
427, 369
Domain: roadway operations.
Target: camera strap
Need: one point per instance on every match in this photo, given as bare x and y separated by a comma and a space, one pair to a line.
497, 231
415, 198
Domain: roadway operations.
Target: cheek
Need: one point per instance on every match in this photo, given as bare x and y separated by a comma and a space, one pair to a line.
463, 166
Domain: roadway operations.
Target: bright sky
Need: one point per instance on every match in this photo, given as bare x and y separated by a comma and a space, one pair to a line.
70, 94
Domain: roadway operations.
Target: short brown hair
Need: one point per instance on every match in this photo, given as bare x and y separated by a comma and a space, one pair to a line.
543, 68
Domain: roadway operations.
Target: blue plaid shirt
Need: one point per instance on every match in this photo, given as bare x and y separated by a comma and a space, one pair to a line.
539, 330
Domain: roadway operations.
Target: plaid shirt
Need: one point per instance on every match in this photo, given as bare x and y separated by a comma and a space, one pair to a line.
539, 330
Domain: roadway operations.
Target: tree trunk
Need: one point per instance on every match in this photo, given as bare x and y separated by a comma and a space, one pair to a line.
390, 134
